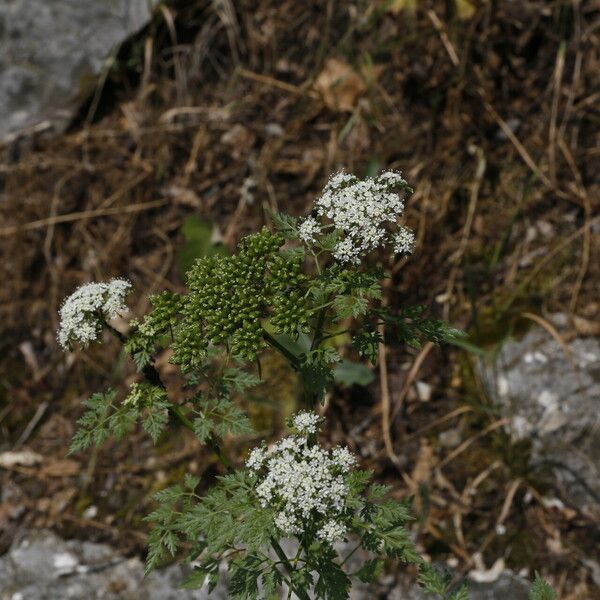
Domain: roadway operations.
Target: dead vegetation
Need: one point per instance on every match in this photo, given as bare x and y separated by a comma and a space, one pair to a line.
230, 110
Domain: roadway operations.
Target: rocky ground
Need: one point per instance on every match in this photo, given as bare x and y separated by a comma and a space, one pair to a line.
132, 139
548, 388
42, 566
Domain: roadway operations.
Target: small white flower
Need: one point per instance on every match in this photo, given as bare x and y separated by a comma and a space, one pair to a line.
308, 230
343, 458
332, 531
347, 252
114, 302
363, 210
256, 459
306, 422
303, 482
404, 241
288, 524
84, 311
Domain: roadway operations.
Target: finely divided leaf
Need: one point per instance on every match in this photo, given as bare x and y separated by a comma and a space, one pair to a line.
333, 583
541, 590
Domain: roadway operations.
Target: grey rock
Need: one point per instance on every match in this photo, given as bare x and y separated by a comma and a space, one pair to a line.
508, 585
51, 53
551, 396
41, 565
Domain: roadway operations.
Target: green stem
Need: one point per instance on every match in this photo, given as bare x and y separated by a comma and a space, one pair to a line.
321, 306
319, 326
353, 551
153, 376
292, 358
285, 560
335, 334
316, 261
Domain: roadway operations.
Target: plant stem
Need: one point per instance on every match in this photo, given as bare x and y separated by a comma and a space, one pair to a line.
292, 358
353, 551
316, 261
152, 375
335, 334
176, 411
319, 327
285, 560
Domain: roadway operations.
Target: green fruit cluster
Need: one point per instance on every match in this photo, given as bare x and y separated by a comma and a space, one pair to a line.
290, 313
230, 295
144, 337
165, 309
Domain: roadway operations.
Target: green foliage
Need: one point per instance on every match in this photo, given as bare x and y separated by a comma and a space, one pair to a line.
346, 307
94, 424
218, 417
196, 579
165, 538
152, 404
370, 570
230, 521
239, 380
316, 372
411, 327
286, 225
229, 295
293, 297
333, 583
198, 234
461, 594
434, 580
349, 373
104, 417
227, 516
367, 343
145, 336
541, 590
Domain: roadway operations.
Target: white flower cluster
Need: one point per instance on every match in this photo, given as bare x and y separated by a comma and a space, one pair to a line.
82, 312
331, 531
364, 211
304, 483
309, 229
306, 422
404, 241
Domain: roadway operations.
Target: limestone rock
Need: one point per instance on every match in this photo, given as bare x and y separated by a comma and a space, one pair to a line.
551, 394
41, 565
51, 54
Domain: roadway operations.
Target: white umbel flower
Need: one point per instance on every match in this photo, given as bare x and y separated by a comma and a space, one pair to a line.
83, 312
256, 459
363, 211
288, 523
304, 483
343, 458
308, 230
331, 531
404, 241
306, 422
